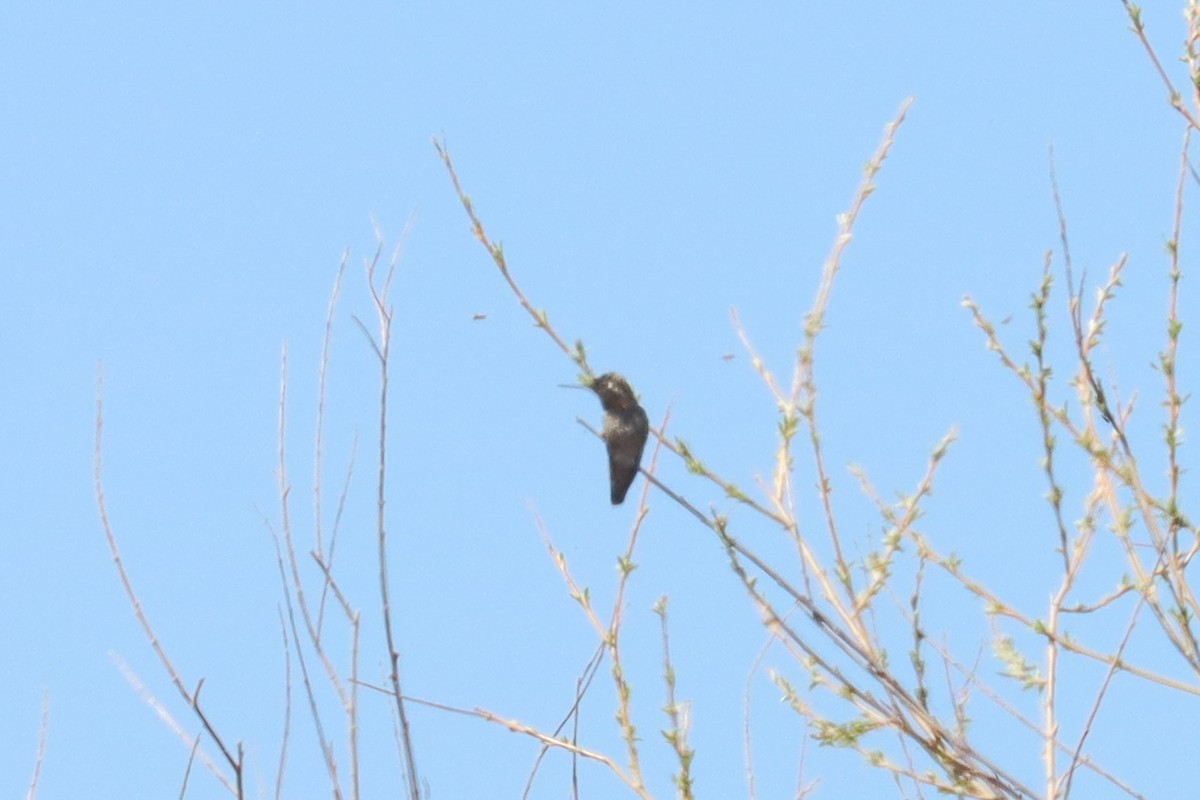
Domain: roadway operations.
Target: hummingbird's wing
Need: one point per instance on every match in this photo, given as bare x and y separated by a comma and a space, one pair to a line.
625, 446
621, 472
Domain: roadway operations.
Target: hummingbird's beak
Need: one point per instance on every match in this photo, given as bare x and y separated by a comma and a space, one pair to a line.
585, 382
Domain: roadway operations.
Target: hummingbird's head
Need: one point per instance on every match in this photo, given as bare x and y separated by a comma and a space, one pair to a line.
615, 392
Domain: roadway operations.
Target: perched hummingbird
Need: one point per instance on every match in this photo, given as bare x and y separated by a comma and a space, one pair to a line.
625, 429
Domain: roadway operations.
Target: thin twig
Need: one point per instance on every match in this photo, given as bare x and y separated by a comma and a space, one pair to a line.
1135, 17
285, 735
187, 772
383, 312
43, 733
319, 434
98, 483
496, 251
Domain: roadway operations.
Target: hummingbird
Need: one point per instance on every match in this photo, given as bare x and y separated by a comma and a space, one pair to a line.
625, 429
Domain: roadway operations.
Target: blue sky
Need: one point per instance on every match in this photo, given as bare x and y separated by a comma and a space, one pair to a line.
179, 186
